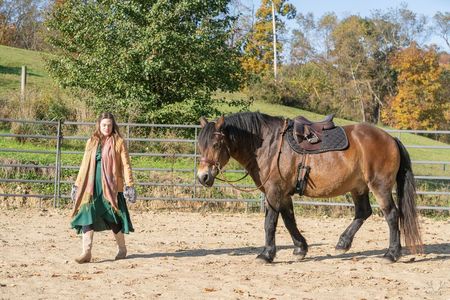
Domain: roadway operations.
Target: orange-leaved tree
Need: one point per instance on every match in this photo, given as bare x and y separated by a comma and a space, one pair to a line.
258, 47
419, 102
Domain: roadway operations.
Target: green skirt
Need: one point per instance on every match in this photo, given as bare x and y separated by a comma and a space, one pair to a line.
99, 213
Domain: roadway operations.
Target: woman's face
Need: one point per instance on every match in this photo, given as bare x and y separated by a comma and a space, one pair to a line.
106, 127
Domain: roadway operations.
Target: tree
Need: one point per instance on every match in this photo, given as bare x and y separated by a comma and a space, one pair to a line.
399, 27
21, 23
242, 23
363, 48
151, 61
420, 102
355, 53
258, 48
442, 23
313, 39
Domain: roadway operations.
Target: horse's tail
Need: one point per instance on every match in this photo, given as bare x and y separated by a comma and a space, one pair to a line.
406, 195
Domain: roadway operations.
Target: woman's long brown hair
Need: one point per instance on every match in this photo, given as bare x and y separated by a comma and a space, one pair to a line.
115, 130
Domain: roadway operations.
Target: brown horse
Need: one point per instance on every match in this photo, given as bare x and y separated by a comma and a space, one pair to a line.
373, 161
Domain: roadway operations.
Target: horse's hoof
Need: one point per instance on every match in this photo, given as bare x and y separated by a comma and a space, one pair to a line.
343, 246
390, 258
299, 253
264, 259
340, 251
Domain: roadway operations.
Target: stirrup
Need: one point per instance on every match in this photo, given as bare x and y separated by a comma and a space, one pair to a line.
312, 138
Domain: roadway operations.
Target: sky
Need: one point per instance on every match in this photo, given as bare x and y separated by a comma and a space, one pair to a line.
343, 8
364, 7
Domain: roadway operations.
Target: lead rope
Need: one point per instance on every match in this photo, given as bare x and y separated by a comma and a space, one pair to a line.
271, 169
228, 181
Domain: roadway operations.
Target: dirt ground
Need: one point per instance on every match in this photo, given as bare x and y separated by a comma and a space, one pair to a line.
181, 255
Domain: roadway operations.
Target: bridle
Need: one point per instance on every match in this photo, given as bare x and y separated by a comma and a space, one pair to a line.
216, 163
212, 162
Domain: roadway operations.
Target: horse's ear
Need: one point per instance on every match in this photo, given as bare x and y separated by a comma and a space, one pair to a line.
203, 121
219, 123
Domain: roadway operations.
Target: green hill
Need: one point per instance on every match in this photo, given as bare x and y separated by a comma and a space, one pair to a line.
12, 59
11, 62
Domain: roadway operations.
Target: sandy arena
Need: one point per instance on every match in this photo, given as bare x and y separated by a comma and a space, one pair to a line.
181, 255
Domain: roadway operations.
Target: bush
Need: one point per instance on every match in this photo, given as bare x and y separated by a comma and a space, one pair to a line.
46, 105
276, 92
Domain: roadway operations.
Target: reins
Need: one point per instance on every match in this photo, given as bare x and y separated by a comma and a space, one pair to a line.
230, 182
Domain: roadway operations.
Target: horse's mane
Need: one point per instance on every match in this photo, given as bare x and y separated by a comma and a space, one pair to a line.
244, 126
239, 124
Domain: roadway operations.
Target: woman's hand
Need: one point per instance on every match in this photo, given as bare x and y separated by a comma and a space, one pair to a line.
73, 193
130, 194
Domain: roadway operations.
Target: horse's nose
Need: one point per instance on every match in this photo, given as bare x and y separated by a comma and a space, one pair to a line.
205, 178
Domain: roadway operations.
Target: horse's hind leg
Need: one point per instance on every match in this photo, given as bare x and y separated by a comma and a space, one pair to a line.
391, 214
301, 247
362, 212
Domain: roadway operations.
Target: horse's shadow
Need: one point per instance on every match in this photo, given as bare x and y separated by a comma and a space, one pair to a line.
442, 252
205, 252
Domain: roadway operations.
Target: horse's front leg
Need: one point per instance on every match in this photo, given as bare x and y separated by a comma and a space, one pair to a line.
270, 226
287, 212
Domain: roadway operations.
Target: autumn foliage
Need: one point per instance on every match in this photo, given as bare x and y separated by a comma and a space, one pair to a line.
258, 48
419, 102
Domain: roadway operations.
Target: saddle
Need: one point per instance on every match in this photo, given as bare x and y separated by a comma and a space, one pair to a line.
305, 129
305, 136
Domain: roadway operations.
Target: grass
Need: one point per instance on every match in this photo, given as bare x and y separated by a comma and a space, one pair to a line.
11, 62
292, 112
273, 109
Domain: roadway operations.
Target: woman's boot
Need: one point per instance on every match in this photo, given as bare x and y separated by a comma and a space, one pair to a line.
87, 247
122, 249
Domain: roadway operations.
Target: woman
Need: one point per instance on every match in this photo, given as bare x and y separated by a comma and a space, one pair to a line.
98, 193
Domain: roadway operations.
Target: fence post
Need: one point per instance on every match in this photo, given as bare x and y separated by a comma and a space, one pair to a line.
128, 137
23, 83
58, 165
195, 164
262, 197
